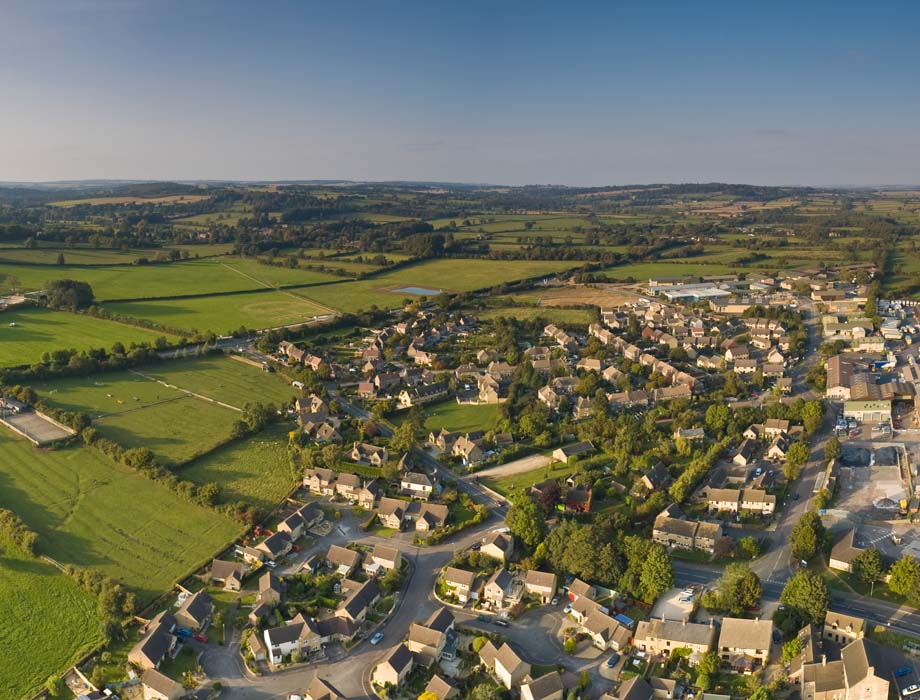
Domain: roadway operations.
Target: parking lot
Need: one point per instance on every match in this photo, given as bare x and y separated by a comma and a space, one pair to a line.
674, 605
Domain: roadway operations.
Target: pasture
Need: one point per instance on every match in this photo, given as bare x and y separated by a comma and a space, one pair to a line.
227, 313
90, 511
39, 330
49, 622
256, 470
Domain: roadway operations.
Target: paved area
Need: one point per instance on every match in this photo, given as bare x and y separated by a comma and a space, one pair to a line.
669, 606
518, 466
871, 492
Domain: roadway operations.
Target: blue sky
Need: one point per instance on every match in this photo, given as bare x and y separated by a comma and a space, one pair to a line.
515, 93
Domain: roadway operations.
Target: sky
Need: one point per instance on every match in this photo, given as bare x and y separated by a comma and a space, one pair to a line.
587, 94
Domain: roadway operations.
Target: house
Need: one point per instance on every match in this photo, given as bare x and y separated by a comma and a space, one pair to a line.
468, 450
257, 643
324, 433
655, 478
348, 486
661, 636
843, 629
392, 671
581, 608
723, 500
365, 453
862, 672
382, 558
672, 530
498, 588
689, 434
443, 439
779, 448
540, 584
459, 582
229, 573
321, 690
195, 611
271, 589
745, 454
580, 589
546, 687
509, 668
734, 354
844, 551
578, 500
391, 512
159, 686
441, 688
744, 645
575, 450
605, 632
299, 635
498, 545
275, 546
422, 394
416, 485
251, 555
429, 640
343, 560
156, 643
369, 493
635, 688
354, 607
320, 481
745, 366
304, 518
431, 516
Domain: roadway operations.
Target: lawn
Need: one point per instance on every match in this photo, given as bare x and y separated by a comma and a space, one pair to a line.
49, 622
226, 314
256, 470
38, 331
456, 417
506, 484
90, 511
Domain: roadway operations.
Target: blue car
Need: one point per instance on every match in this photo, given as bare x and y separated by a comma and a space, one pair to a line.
376, 638
612, 661
903, 671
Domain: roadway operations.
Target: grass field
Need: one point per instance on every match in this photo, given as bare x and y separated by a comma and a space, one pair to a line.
90, 511
641, 272
38, 331
49, 622
456, 417
135, 411
505, 485
223, 314
167, 199
256, 470
578, 317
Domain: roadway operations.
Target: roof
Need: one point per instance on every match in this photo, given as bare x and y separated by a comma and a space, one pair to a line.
197, 606
499, 539
268, 581
416, 478
487, 654
161, 683
501, 578
683, 632
828, 676
349, 480
862, 658
222, 570
844, 548
398, 658
545, 686
441, 687
745, 634
579, 588
385, 552
461, 576
441, 619
636, 688
340, 556
360, 599
508, 658
846, 622
424, 635
540, 579
578, 448
321, 690
276, 543
605, 626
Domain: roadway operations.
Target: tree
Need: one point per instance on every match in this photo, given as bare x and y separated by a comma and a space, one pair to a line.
812, 416
68, 294
526, 519
704, 681
807, 536
709, 663
868, 567
805, 597
724, 547
403, 438
570, 645
832, 450
791, 649
736, 590
748, 547
905, 579
796, 458
54, 685
717, 417
657, 574
479, 643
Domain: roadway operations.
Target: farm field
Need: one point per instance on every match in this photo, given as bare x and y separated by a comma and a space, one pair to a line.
448, 275
39, 330
73, 256
256, 470
227, 313
167, 199
90, 511
46, 613
641, 272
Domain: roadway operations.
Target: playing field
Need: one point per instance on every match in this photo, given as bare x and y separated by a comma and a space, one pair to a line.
38, 331
225, 314
90, 511
458, 418
135, 410
49, 622
256, 470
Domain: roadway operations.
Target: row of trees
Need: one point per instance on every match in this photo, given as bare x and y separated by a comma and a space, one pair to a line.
17, 532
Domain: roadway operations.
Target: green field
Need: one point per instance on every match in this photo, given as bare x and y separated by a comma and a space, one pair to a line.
256, 470
136, 411
459, 418
506, 484
38, 331
90, 511
49, 622
581, 317
224, 314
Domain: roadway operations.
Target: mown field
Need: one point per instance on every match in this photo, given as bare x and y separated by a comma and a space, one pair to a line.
507, 484
456, 417
90, 511
226, 314
38, 331
48, 622
256, 470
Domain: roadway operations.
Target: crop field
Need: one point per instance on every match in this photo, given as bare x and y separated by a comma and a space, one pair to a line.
447, 275
256, 470
168, 199
224, 314
49, 622
38, 331
90, 511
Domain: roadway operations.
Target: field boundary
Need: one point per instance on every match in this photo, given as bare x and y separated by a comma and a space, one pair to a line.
184, 391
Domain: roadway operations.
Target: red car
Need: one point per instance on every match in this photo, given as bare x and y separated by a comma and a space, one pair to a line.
295, 548
200, 638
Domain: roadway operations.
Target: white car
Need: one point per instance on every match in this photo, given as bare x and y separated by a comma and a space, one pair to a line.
567, 609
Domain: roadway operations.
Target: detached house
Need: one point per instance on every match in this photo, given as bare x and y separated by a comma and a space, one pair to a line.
157, 642
540, 584
416, 485
348, 486
195, 612
504, 663
498, 545
299, 634
395, 667
382, 558
546, 687
365, 453
275, 546
320, 481
459, 582
468, 450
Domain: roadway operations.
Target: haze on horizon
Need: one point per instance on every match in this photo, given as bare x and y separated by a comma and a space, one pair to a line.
515, 93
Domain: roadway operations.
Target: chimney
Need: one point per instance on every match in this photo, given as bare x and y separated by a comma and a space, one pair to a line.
824, 659
685, 621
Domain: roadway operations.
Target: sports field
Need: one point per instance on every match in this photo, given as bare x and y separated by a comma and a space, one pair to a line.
458, 418
37, 331
256, 470
224, 314
90, 511
48, 622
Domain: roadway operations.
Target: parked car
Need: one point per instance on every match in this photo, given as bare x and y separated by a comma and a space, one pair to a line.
612, 661
484, 618
476, 546
502, 623
200, 638
378, 636
567, 609
270, 564
555, 600
903, 671
777, 637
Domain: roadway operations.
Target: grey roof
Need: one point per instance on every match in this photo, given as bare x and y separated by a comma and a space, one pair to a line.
398, 658
360, 599
197, 606
545, 685
321, 690
269, 582
440, 620
276, 543
636, 688
859, 658
341, 556
222, 570
682, 632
